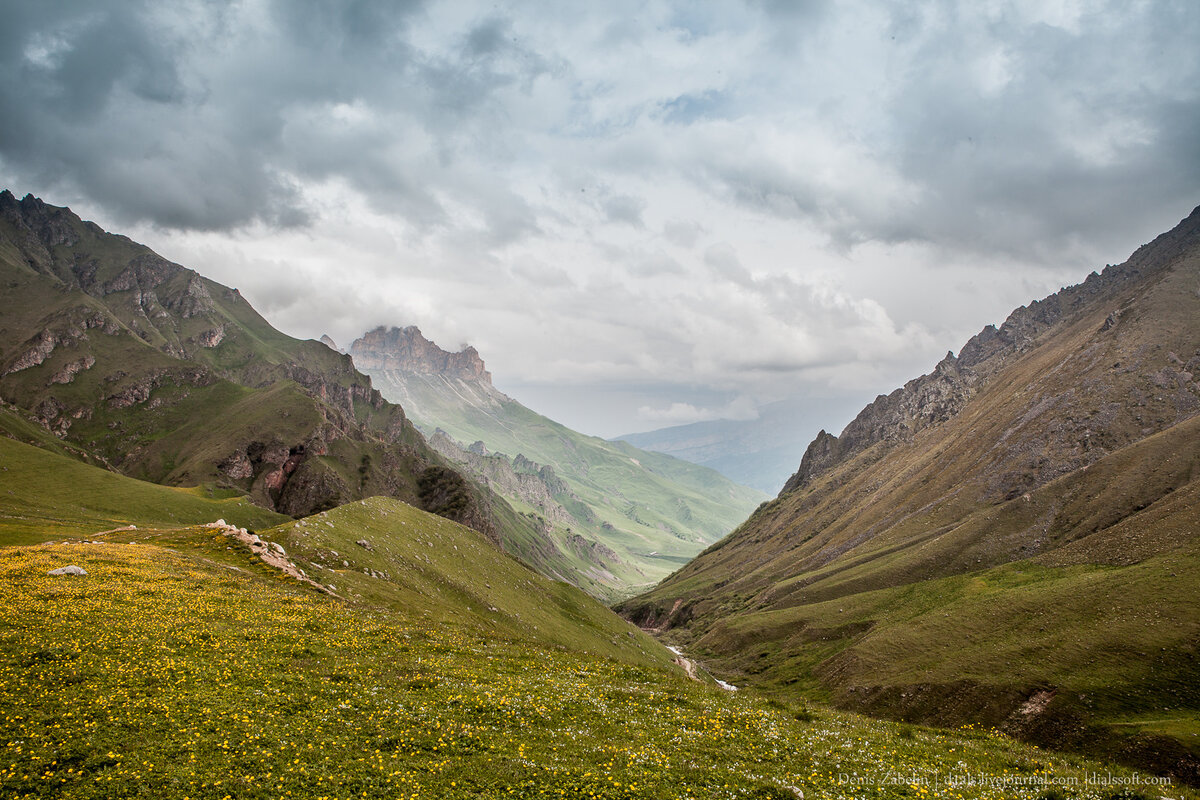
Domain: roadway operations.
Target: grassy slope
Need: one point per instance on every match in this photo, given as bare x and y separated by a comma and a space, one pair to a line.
181, 666
900, 583
448, 573
652, 502
48, 496
184, 672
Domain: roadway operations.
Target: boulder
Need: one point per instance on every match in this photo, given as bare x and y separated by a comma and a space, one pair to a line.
68, 570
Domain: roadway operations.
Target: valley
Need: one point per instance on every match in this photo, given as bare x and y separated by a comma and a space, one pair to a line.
622, 518
998, 556
432, 665
441, 400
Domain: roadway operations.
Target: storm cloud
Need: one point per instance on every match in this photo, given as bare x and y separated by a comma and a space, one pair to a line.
721, 203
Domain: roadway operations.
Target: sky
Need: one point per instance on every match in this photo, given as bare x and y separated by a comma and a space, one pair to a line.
641, 214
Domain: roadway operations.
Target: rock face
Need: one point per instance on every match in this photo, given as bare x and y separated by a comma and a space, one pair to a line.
405, 349
534, 484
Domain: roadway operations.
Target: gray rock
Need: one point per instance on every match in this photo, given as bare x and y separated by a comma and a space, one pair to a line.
365, 544
278, 548
68, 570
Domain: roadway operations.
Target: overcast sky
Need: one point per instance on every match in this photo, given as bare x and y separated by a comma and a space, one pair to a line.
641, 213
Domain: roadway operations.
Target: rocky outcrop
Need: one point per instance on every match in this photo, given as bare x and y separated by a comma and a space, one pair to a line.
70, 370
271, 553
39, 350
406, 350
593, 552
341, 396
67, 329
534, 484
138, 391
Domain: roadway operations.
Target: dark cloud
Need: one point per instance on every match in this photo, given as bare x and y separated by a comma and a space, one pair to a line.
1023, 136
210, 116
215, 126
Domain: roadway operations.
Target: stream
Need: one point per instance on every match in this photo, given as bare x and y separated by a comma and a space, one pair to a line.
691, 666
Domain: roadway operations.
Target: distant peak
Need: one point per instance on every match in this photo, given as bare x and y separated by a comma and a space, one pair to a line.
406, 350
328, 342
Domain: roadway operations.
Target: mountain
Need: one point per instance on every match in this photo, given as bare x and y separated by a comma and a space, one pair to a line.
113, 355
1009, 540
760, 453
621, 517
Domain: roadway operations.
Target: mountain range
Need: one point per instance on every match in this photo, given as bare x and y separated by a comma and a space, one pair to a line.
278, 580
621, 518
761, 452
1009, 540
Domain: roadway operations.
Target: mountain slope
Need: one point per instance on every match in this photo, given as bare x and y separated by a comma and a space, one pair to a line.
147, 367
976, 537
622, 517
379, 552
48, 496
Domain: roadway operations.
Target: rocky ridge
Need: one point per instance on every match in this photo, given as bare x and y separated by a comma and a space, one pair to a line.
1008, 541
938, 396
406, 350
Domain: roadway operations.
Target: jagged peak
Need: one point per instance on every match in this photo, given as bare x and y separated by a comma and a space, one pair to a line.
407, 350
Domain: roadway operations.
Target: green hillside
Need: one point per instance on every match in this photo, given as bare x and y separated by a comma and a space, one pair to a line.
48, 496
407, 657
650, 512
166, 376
184, 670
1010, 540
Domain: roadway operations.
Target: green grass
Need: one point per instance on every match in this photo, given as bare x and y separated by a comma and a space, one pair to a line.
166, 673
451, 574
44, 495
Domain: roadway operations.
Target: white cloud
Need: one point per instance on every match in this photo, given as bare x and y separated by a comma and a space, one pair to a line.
744, 200
679, 413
